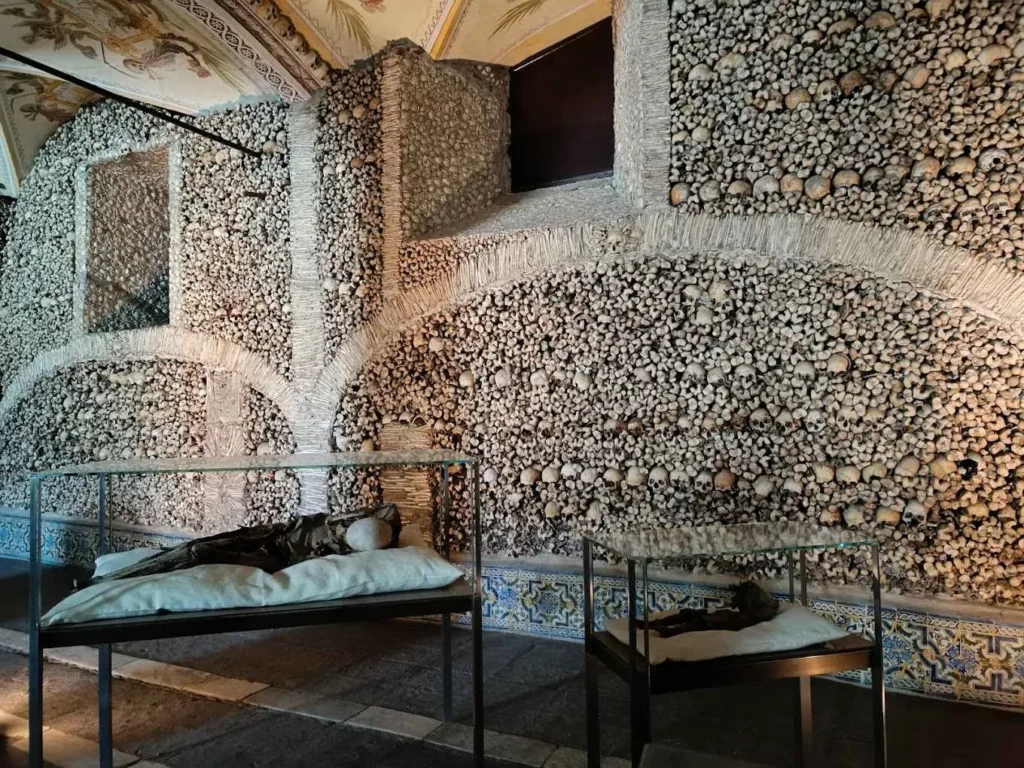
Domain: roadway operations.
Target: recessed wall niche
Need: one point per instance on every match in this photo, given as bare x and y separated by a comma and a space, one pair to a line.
124, 272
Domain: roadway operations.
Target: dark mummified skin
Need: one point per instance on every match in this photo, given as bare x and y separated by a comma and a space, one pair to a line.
750, 605
271, 547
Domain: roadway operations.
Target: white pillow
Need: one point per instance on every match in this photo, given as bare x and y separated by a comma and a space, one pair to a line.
115, 561
214, 587
792, 627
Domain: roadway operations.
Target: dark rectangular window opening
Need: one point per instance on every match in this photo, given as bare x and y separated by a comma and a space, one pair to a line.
560, 109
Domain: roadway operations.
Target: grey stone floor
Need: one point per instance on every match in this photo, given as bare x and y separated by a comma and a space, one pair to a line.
533, 688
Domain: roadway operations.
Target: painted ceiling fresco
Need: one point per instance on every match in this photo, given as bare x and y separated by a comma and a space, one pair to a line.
196, 55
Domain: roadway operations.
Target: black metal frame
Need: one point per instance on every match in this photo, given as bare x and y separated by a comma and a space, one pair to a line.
463, 596
162, 114
645, 680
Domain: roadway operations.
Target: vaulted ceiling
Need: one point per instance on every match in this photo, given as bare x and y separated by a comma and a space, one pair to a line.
193, 55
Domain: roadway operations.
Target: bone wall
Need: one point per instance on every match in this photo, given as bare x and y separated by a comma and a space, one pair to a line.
445, 143
124, 268
703, 388
351, 216
899, 114
99, 411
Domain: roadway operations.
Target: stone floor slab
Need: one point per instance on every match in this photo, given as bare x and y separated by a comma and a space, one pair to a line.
66, 751
392, 721
564, 757
515, 749
225, 688
13, 727
84, 657
327, 708
13, 640
158, 673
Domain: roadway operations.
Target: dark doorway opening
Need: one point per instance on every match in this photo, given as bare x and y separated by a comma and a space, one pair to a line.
560, 106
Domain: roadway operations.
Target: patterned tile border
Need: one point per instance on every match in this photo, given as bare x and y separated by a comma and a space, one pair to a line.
934, 654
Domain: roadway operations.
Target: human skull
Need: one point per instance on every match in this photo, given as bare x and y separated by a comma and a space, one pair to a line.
999, 204
657, 478
815, 421
724, 480
529, 476
785, 421
854, 515
570, 470
694, 372
915, 512
704, 482
909, 466
823, 473
838, 364
874, 471
764, 486
704, 316
846, 418
993, 159
595, 512
873, 415
677, 477
793, 485
716, 376
490, 475
760, 419
848, 474
589, 475
804, 370
719, 290
612, 477
636, 476
745, 374
550, 474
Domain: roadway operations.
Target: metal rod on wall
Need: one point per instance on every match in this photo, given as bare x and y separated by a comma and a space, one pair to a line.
167, 116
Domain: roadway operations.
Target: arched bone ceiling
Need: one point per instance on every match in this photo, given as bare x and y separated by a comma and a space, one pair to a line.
196, 55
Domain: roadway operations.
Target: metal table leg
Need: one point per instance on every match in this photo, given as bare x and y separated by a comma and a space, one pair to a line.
591, 664
446, 679
878, 668
478, 631
35, 659
106, 695
638, 690
804, 713
106, 708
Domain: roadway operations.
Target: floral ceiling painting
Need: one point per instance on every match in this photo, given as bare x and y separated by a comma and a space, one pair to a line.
195, 55
510, 31
31, 108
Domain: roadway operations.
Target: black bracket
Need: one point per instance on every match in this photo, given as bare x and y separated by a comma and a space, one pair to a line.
166, 115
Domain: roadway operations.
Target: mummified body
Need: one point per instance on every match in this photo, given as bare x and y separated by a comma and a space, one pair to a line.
271, 547
750, 605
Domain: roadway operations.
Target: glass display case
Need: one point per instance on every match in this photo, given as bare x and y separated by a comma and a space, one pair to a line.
648, 675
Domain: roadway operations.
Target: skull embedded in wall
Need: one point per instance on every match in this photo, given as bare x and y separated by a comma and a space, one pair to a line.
694, 372
785, 421
815, 421
764, 486
761, 420
846, 418
613, 477
704, 482
745, 374
724, 480
804, 370
716, 376
915, 512
993, 159
838, 364
636, 476
658, 478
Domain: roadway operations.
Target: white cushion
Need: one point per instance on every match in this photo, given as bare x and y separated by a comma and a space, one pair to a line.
115, 561
792, 627
214, 587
